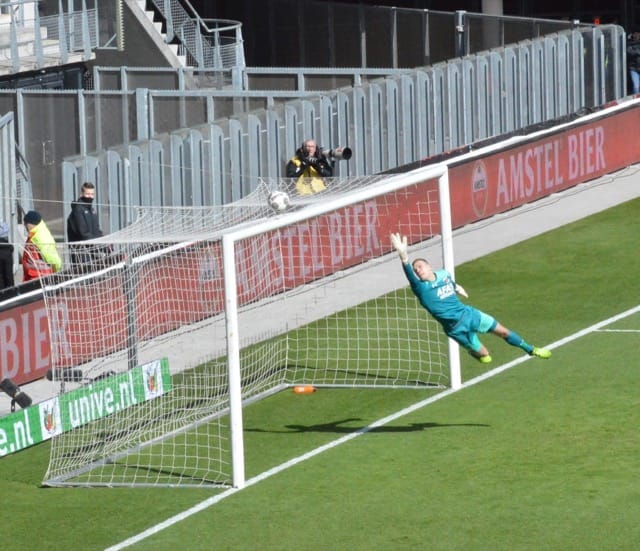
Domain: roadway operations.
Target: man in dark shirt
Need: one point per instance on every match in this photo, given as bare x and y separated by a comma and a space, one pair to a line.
82, 225
6, 258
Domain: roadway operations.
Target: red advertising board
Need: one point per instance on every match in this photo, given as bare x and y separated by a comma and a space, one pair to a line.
505, 179
24, 342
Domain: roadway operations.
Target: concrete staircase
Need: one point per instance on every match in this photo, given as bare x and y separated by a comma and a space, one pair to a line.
147, 19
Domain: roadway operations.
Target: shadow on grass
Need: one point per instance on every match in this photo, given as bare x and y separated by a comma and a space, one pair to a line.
336, 426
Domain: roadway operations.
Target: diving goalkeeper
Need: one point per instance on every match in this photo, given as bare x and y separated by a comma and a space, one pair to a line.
436, 291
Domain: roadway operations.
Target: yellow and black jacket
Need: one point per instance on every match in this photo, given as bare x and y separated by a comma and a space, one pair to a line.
309, 172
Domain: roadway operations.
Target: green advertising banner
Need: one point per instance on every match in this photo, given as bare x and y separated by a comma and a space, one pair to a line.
78, 407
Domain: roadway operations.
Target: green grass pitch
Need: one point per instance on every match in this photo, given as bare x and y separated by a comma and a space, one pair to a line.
542, 456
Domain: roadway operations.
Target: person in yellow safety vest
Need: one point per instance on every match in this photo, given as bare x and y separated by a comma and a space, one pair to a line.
309, 167
40, 256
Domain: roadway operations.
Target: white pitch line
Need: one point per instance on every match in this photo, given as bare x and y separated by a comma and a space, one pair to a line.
379, 423
618, 330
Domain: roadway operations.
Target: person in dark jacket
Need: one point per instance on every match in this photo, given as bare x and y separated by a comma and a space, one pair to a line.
6, 258
633, 62
82, 225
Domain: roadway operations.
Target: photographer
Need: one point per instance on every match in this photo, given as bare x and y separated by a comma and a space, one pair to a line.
308, 166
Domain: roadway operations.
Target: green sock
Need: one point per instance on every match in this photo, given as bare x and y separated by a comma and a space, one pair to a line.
516, 340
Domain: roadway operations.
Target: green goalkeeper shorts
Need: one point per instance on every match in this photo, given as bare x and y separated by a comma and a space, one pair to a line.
474, 321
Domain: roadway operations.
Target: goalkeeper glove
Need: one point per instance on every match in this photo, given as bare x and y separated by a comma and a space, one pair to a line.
400, 245
460, 290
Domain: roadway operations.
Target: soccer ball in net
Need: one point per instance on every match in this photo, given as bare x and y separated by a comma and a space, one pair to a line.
279, 201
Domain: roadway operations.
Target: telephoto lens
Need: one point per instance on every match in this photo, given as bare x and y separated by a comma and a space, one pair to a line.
338, 153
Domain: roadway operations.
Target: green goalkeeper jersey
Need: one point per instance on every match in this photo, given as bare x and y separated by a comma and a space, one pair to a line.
439, 298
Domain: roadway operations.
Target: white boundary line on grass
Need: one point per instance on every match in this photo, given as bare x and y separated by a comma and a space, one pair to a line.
379, 423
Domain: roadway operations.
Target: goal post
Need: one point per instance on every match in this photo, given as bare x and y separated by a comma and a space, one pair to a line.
314, 210
228, 305
446, 232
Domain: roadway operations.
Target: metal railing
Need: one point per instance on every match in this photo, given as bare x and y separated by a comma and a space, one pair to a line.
29, 41
295, 79
339, 35
15, 182
207, 43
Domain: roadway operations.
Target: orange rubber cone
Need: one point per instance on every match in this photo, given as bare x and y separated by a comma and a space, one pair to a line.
304, 389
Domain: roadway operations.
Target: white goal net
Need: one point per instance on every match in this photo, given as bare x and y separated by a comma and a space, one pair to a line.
171, 325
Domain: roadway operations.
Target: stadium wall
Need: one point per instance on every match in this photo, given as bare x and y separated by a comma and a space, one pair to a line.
489, 181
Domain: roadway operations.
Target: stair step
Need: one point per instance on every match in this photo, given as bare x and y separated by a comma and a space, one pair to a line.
160, 36
175, 48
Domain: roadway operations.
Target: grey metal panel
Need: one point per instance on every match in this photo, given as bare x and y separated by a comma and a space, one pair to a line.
213, 173
469, 106
116, 165
177, 169
308, 119
524, 84
220, 180
164, 171
276, 157
613, 44
618, 61
550, 74
326, 124
437, 106
127, 214
577, 63
453, 102
591, 71
113, 174
8, 187
374, 144
361, 131
482, 86
509, 95
194, 169
293, 135
236, 157
257, 149
70, 183
155, 155
390, 125
344, 131
565, 74
600, 96
408, 120
537, 106
421, 110
138, 178
424, 108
